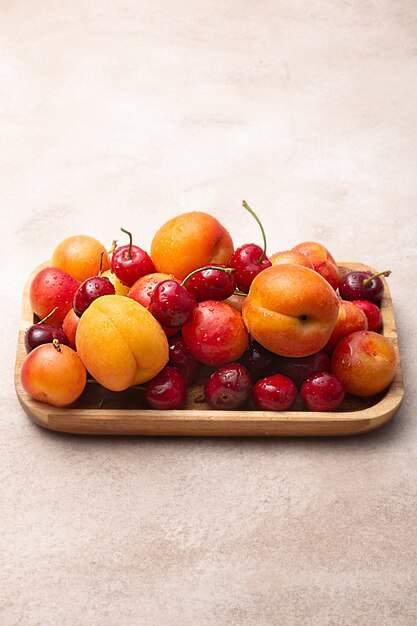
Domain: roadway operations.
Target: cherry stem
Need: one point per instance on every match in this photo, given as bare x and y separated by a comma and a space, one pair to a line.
48, 316
368, 281
226, 270
239, 293
100, 269
56, 344
252, 212
129, 253
113, 246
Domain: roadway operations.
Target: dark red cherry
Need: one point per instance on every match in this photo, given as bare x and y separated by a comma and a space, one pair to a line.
361, 285
167, 390
171, 304
229, 387
301, 368
211, 283
322, 392
249, 259
129, 262
258, 360
274, 393
89, 290
181, 358
37, 334
40, 333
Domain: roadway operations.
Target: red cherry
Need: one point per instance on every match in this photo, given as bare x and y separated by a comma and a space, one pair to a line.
322, 392
372, 312
249, 259
211, 283
171, 304
89, 290
274, 393
130, 262
229, 387
360, 285
167, 390
181, 358
301, 368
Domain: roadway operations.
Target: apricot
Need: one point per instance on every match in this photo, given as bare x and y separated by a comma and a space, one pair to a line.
79, 256
119, 288
290, 256
55, 375
365, 362
69, 326
350, 319
321, 259
189, 241
50, 288
120, 342
290, 310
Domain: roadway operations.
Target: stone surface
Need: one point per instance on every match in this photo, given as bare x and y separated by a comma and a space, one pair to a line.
125, 114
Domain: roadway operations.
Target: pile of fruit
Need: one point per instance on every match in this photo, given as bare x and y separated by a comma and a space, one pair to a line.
261, 329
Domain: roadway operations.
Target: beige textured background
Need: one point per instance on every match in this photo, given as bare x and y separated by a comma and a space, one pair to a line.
124, 114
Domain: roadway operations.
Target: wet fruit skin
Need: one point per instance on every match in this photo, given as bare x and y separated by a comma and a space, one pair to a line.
79, 256
321, 259
350, 319
215, 333
322, 392
171, 304
168, 390
120, 343
352, 288
129, 263
37, 334
299, 369
50, 288
142, 290
245, 260
181, 358
372, 312
365, 362
89, 290
57, 377
290, 310
229, 387
274, 393
258, 360
212, 284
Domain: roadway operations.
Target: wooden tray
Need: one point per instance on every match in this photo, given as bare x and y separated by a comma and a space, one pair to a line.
101, 412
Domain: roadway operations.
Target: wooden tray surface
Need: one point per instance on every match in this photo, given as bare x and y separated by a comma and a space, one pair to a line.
102, 412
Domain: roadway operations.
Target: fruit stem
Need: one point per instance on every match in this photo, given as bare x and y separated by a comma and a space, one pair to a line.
368, 281
226, 270
129, 253
48, 316
252, 212
113, 246
100, 269
56, 344
239, 293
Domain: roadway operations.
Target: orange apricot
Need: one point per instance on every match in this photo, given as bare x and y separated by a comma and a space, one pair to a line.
79, 256
189, 241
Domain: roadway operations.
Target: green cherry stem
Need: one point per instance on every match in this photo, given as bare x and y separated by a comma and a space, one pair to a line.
252, 212
226, 270
48, 316
129, 254
239, 293
368, 281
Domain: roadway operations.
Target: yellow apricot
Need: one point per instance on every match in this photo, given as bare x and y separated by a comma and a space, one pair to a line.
120, 343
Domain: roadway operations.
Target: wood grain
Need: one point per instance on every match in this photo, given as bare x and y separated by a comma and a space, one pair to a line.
101, 412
